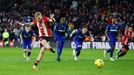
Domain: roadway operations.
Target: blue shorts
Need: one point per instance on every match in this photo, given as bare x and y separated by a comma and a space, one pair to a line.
60, 38
27, 44
78, 44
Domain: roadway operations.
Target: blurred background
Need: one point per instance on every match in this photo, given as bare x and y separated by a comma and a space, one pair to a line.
96, 14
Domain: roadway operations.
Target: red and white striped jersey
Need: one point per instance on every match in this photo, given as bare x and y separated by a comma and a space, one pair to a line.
43, 28
126, 37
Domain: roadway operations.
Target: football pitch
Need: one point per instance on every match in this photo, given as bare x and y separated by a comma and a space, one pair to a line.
12, 62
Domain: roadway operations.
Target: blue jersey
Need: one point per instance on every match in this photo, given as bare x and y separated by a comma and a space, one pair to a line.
60, 30
27, 35
79, 36
113, 31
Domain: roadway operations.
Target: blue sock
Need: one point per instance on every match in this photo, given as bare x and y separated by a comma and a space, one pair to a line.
59, 52
78, 51
59, 48
111, 53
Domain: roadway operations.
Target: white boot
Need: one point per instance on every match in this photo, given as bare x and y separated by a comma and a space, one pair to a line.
116, 57
75, 58
74, 53
111, 59
28, 58
24, 55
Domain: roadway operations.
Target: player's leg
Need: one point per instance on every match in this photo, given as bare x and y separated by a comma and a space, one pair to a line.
74, 53
24, 46
45, 46
40, 56
111, 50
41, 53
122, 52
6, 42
107, 50
60, 44
48, 45
29, 50
110, 44
24, 52
77, 50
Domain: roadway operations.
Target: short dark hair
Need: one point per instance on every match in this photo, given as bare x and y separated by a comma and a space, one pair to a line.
27, 24
85, 26
131, 25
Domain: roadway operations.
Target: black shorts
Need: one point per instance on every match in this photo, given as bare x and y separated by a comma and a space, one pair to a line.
5, 39
46, 38
125, 46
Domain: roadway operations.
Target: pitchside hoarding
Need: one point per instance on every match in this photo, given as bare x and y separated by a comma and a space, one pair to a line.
101, 45
89, 45
69, 44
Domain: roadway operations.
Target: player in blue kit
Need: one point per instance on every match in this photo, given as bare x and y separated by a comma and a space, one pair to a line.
111, 33
79, 36
60, 30
26, 40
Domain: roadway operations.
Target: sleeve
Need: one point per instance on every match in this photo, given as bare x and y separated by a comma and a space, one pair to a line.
77, 32
21, 32
56, 27
89, 37
68, 32
133, 34
67, 28
32, 32
90, 34
107, 28
126, 30
46, 19
120, 26
35, 22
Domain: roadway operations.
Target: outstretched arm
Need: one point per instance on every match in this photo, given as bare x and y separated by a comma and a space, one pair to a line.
106, 33
92, 38
72, 34
34, 39
22, 24
52, 19
21, 38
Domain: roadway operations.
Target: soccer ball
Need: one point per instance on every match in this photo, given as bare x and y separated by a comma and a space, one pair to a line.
99, 63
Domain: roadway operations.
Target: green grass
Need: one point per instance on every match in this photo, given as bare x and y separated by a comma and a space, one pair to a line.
13, 63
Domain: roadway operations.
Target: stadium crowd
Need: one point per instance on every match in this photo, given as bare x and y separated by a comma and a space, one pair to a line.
96, 14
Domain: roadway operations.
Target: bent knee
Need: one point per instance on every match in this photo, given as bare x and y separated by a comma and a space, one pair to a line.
43, 42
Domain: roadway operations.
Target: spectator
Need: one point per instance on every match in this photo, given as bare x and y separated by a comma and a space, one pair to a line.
5, 36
